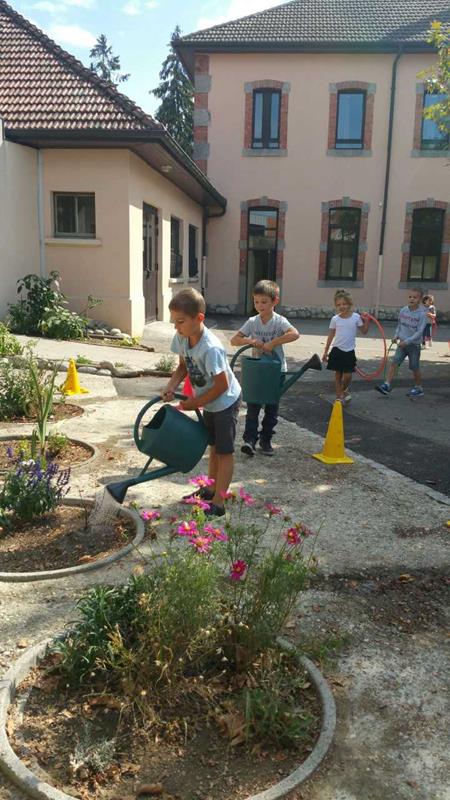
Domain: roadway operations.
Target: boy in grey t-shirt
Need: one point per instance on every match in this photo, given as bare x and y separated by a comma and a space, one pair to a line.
267, 332
408, 335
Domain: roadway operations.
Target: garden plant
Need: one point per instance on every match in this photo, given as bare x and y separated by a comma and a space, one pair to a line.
42, 309
194, 634
27, 389
9, 345
31, 489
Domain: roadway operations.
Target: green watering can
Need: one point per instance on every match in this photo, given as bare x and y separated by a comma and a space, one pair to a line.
263, 382
173, 438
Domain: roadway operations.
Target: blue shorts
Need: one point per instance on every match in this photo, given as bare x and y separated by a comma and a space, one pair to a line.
413, 353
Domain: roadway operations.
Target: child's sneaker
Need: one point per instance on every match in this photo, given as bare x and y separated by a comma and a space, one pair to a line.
347, 398
249, 448
383, 388
214, 511
416, 391
266, 448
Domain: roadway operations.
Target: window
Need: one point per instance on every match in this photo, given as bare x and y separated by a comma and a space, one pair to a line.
193, 251
74, 215
432, 137
266, 119
351, 108
176, 254
343, 241
426, 244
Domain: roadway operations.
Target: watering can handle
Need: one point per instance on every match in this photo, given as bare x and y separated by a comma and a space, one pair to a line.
151, 402
248, 347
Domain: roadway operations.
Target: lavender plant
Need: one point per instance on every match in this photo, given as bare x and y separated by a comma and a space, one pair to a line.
31, 489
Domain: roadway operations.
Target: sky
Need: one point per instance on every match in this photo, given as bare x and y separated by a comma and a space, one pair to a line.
137, 30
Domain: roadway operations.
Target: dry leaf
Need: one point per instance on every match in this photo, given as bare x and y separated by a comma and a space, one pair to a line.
404, 578
22, 643
85, 559
106, 701
153, 789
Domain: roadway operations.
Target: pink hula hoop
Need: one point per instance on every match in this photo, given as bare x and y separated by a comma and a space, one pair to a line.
372, 375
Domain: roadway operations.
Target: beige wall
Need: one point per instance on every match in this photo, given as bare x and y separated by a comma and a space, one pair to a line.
307, 176
19, 237
146, 185
110, 266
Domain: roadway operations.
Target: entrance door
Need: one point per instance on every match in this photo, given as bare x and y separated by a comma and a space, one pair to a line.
150, 261
262, 249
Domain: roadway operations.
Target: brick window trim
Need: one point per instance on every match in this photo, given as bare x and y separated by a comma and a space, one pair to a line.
335, 88
261, 202
202, 87
344, 202
417, 151
282, 86
407, 233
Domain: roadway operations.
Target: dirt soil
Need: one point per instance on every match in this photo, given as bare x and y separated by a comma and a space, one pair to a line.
60, 411
61, 539
197, 763
72, 454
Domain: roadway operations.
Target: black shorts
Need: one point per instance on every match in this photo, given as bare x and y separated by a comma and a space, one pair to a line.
341, 360
221, 427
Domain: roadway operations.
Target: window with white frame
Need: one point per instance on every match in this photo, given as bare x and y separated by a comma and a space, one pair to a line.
74, 215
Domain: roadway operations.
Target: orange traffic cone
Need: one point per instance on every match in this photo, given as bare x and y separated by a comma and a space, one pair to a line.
333, 449
72, 383
187, 387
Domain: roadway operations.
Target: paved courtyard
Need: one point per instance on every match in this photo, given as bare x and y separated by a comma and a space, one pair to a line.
381, 590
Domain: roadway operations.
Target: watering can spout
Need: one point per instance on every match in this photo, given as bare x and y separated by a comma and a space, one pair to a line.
118, 490
313, 363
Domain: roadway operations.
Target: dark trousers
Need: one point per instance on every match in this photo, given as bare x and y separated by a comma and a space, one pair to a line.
270, 419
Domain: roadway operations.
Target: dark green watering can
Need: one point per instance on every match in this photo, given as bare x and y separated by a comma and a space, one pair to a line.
171, 437
262, 381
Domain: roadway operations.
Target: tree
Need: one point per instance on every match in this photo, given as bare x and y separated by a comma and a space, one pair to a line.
437, 78
176, 110
106, 65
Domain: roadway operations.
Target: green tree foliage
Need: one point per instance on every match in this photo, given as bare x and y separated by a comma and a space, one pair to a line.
438, 77
176, 110
105, 64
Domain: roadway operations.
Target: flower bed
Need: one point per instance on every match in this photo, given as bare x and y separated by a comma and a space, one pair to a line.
73, 452
173, 679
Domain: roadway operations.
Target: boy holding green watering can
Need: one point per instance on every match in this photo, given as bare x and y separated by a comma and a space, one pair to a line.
267, 332
202, 356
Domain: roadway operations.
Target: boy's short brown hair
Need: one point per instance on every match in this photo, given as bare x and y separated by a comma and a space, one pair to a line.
189, 301
416, 289
269, 288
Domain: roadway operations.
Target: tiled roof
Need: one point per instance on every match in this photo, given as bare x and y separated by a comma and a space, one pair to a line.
43, 87
311, 23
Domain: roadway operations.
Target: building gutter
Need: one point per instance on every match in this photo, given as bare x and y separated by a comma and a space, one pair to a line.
386, 181
40, 213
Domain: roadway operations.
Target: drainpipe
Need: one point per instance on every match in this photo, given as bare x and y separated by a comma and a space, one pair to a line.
40, 213
206, 216
386, 181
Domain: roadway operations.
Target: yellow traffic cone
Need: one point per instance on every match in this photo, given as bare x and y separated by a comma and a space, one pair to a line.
333, 450
72, 383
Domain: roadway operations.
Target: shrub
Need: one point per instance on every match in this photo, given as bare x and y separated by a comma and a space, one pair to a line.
165, 364
31, 489
42, 309
22, 388
9, 345
210, 607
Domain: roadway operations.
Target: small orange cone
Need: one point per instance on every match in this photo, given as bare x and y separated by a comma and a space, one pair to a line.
333, 449
72, 383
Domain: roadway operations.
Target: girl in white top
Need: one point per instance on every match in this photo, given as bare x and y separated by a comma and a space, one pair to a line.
343, 328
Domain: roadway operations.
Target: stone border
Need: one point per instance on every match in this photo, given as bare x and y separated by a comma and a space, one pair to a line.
4, 437
50, 574
21, 776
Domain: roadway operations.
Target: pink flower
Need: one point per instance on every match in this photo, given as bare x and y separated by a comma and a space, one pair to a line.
197, 502
201, 481
227, 495
148, 516
188, 528
218, 534
247, 499
201, 543
238, 570
292, 537
273, 510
